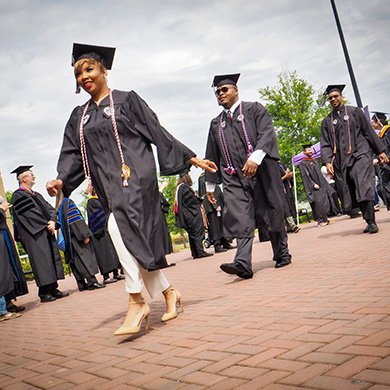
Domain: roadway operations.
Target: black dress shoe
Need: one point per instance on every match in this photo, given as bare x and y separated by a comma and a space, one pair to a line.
245, 275
236, 269
282, 263
13, 308
220, 249
228, 246
47, 298
95, 286
59, 294
371, 228
205, 254
110, 280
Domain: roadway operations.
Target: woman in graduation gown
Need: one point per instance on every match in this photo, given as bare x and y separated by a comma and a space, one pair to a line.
108, 141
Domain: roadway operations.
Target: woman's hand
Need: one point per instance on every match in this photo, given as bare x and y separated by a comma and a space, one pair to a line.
54, 186
5, 206
204, 164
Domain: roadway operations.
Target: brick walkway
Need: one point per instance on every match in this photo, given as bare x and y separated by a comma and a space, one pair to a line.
321, 323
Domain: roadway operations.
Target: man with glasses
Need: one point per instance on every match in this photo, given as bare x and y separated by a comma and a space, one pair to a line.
35, 221
347, 144
242, 143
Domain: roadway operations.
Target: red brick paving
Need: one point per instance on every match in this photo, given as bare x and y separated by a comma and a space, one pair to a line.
321, 323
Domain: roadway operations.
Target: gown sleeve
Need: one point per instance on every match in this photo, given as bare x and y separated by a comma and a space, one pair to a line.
213, 154
70, 165
172, 154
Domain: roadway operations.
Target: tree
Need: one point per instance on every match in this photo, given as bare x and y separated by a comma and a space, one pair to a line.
296, 111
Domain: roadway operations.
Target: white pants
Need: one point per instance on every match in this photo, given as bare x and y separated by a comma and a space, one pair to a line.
155, 281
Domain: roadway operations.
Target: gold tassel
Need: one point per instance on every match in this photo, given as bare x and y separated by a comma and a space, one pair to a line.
125, 175
88, 190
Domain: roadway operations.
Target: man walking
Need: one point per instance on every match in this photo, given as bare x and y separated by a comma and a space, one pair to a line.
347, 144
242, 143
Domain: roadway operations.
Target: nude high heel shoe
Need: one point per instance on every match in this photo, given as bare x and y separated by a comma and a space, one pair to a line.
136, 313
172, 297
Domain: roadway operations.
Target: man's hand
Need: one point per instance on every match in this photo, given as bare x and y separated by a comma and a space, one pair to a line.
53, 186
51, 226
316, 187
384, 159
249, 169
210, 197
86, 240
330, 169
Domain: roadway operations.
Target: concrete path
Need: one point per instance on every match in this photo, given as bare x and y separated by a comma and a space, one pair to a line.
321, 323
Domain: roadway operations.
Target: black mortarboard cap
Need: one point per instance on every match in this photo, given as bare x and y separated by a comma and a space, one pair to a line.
224, 79
379, 115
334, 87
103, 54
21, 169
330, 88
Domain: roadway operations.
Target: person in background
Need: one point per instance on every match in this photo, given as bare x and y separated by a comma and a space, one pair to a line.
214, 216
290, 211
347, 144
119, 128
380, 123
105, 252
35, 223
316, 187
189, 215
12, 279
167, 241
79, 252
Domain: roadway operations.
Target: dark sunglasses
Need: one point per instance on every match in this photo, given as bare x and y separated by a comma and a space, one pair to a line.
223, 90
333, 97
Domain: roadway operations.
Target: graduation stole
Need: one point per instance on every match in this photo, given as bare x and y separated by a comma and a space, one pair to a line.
383, 131
74, 214
125, 170
346, 117
230, 170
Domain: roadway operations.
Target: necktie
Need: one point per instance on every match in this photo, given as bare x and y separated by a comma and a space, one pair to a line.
229, 115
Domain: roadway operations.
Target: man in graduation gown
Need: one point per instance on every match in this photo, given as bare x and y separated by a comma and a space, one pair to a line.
35, 223
189, 215
105, 252
12, 280
214, 216
290, 211
79, 252
242, 142
347, 144
316, 187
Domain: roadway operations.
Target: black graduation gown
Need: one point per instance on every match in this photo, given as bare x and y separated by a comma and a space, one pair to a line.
289, 204
167, 241
318, 199
105, 252
190, 218
356, 167
246, 204
215, 223
384, 171
31, 216
12, 280
79, 255
136, 208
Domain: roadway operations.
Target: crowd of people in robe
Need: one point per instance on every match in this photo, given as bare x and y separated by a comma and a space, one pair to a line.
127, 232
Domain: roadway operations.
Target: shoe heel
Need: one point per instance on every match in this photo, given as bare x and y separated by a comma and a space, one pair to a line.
179, 302
147, 322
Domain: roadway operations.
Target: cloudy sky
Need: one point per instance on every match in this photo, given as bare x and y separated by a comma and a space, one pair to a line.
168, 51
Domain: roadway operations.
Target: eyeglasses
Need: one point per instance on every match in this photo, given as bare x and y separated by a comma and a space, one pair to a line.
223, 90
333, 97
